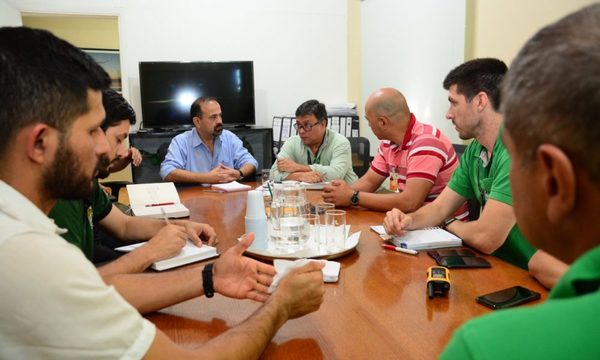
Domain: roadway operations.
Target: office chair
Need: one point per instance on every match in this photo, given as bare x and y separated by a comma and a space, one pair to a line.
361, 158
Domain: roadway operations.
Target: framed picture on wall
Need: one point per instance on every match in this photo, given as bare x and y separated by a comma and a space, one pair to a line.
111, 62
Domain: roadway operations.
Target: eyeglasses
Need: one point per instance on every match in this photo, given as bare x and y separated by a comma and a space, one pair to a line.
307, 127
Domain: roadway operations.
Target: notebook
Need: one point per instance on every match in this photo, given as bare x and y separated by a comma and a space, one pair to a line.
150, 200
231, 186
427, 238
314, 186
189, 253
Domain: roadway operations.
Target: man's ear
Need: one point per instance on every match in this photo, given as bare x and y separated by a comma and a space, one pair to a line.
39, 142
558, 181
482, 100
196, 121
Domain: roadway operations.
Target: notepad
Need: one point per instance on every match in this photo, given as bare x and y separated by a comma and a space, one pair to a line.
314, 186
231, 186
189, 253
150, 200
427, 238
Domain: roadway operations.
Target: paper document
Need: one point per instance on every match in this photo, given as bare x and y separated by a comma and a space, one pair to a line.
147, 200
189, 253
231, 186
314, 186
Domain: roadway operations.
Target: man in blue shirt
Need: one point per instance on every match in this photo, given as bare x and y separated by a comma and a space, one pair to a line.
207, 154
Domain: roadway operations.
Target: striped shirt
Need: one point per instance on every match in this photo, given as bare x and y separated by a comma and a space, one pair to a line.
425, 154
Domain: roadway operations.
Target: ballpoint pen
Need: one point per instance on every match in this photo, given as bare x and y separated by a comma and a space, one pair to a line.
399, 249
162, 210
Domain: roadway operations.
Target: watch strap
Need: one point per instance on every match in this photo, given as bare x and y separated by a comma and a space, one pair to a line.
207, 281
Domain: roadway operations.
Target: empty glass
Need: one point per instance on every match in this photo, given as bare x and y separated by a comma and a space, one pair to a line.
311, 230
335, 221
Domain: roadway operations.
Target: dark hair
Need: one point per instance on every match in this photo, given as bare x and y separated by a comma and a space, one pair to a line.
43, 79
552, 91
196, 108
312, 107
117, 109
478, 75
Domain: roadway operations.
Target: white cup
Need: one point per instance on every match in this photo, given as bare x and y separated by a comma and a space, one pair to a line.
256, 219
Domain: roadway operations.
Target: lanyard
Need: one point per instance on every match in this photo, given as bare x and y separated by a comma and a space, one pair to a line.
317, 158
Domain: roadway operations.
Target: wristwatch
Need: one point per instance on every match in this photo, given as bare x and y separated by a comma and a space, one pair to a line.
207, 281
354, 198
241, 173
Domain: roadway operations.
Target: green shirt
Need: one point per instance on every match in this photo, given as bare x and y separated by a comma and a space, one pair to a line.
472, 180
566, 326
333, 159
79, 216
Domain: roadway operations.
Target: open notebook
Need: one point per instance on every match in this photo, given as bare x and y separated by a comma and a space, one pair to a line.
427, 238
150, 200
189, 253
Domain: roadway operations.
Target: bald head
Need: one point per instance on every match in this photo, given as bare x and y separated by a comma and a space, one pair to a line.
388, 102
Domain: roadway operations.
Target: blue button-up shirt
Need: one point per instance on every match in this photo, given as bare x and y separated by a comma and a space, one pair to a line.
188, 152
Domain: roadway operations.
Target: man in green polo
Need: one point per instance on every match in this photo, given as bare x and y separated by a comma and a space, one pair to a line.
316, 154
551, 102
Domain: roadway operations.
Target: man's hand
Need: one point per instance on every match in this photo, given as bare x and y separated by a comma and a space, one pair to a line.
338, 193
198, 232
135, 156
239, 277
222, 174
106, 189
166, 243
396, 222
309, 177
302, 290
289, 166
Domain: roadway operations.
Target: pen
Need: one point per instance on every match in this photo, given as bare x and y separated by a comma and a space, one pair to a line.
399, 249
160, 204
270, 191
162, 210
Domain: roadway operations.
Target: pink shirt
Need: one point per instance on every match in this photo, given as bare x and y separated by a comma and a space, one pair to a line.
425, 154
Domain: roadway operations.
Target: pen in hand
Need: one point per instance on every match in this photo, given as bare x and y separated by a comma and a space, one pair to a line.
162, 210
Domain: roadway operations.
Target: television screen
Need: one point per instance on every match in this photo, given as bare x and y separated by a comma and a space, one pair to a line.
169, 88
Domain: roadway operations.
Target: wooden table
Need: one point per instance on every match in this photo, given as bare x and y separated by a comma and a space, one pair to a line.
379, 309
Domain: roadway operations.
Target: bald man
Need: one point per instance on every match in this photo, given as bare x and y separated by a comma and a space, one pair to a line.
418, 159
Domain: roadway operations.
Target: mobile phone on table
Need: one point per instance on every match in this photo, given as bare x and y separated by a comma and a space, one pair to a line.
454, 252
463, 262
510, 297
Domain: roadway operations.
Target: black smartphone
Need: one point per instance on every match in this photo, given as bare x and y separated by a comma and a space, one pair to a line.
453, 252
506, 298
463, 262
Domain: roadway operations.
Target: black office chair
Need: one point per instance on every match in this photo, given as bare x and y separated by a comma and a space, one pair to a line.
361, 158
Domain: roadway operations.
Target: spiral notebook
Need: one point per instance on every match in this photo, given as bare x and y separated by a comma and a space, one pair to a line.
422, 239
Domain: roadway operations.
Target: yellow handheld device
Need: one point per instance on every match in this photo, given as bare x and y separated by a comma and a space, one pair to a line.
438, 281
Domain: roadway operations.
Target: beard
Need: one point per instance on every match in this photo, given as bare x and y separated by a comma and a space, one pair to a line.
103, 167
217, 131
65, 178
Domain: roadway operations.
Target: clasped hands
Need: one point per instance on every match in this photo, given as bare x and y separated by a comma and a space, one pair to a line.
223, 174
301, 172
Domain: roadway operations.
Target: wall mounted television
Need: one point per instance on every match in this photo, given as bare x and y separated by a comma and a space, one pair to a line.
169, 88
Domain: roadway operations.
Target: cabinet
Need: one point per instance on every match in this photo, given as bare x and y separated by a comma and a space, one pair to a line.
153, 146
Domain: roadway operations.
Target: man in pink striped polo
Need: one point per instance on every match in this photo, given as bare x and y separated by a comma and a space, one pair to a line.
417, 157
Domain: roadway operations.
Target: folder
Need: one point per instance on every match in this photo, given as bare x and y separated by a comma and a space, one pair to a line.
150, 200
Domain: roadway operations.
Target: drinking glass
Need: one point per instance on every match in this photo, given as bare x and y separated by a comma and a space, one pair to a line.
287, 224
310, 234
335, 221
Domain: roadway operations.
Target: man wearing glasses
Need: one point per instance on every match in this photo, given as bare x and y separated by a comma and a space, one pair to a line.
474, 96
316, 154
207, 154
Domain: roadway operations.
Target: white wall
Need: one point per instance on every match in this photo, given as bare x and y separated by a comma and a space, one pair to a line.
298, 47
9, 15
412, 45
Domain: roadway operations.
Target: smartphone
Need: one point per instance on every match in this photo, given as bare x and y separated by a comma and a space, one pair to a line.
506, 298
452, 252
463, 262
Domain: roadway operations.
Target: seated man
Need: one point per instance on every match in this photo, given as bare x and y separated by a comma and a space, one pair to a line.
54, 304
207, 154
474, 95
551, 105
316, 154
80, 217
417, 157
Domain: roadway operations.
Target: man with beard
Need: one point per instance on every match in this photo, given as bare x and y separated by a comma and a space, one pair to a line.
551, 102
207, 154
54, 303
80, 217
474, 96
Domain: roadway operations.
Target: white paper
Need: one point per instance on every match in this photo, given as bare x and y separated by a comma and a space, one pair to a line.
232, 186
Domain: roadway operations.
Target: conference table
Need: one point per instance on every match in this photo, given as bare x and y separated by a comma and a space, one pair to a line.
378, 309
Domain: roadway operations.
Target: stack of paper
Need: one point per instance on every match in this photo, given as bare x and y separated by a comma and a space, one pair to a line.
314, 186
427, 238
150, 200
231, 186
189, 253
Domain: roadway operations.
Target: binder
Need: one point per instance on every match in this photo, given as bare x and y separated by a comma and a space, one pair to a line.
348, 120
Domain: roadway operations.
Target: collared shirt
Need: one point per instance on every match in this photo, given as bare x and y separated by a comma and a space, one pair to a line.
564, 326
474, 180
188, 152
53, 302
333, 159
425, 154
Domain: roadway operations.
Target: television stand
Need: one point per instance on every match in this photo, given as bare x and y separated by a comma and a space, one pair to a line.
236, 126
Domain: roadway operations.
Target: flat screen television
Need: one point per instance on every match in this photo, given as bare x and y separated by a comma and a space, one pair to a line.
169, 88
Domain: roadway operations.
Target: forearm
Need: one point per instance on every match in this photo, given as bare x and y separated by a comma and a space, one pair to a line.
131, 263
429, 215
248, 169
386, 202
140, 229
474, 234
184, 176
546, 268
119, 164
151, 292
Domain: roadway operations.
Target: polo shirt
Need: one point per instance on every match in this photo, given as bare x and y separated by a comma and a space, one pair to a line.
474, 180
53, 302
566, 326
333, 159
188, 152
80, 216
425, 154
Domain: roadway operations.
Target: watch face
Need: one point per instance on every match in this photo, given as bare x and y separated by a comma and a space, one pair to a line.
354, 199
